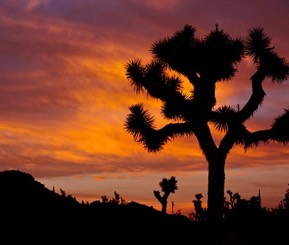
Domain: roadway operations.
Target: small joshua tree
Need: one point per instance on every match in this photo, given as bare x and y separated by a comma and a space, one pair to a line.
117, 199
199, 210
168, 186
234, 197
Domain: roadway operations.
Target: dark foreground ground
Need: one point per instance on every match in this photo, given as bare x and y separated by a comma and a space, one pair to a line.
129, 227
32, 214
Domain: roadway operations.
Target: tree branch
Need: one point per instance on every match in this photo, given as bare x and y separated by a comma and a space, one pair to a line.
256, 98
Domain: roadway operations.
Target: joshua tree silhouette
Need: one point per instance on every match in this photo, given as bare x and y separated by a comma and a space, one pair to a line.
204, 62
168, 186
199, 210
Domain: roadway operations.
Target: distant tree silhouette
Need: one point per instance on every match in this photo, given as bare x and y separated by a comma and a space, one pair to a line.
178, 212
117, 199
84, 202
234, 197
284, 203
240, 210
63, 193
236, 201
282, 209
104, 199
204, 62
168, 186
199, 210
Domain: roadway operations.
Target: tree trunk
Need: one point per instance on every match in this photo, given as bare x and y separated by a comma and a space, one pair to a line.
216, 185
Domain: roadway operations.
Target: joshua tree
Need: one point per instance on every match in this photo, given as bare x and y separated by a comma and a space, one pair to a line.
234, 197
204, 62
200, 214
168, 186
117, 199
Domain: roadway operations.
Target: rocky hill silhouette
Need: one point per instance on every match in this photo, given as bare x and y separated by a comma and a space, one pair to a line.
27, 205
21, 191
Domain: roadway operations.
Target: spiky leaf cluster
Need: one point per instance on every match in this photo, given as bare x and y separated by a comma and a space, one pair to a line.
223, 117
257, 45
280, 127
214, 56
169, 185
140, 124
153, 79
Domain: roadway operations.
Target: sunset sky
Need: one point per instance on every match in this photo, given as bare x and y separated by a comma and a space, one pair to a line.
64, 97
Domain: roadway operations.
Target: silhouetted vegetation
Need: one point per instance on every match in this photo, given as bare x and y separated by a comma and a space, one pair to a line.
168, 186
200, 212
282, 210
205, 62
27, 206
30, 209
117, 199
